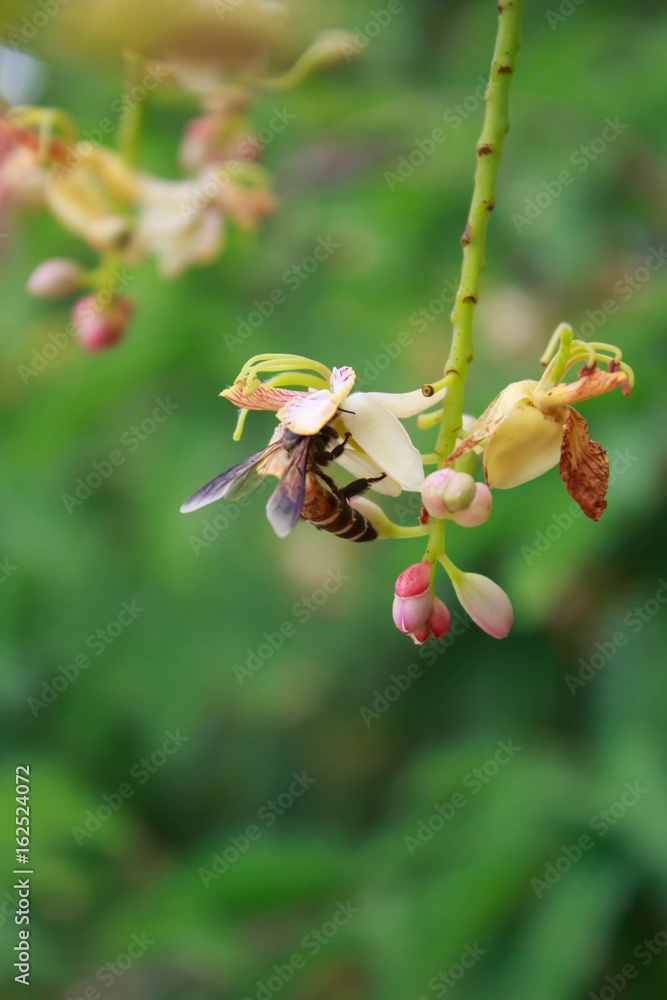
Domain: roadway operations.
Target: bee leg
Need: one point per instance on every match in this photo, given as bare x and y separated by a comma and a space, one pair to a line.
358, 486
339, 449
328, 480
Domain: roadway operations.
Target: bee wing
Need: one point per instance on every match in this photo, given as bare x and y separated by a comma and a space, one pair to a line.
236, 482
285, 503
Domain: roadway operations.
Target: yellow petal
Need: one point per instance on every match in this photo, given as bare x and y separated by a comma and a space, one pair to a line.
525, 444
492, 417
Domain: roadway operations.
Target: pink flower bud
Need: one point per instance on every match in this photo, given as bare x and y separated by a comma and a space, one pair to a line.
100, 325
439, 619
459, 491
55, 278
411, 613
432, 489
413, 598
414, 580
479, 510
486, 603
420, 635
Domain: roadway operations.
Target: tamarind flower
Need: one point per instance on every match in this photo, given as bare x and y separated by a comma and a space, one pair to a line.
93, 193
532, 426
416, 610
377, 441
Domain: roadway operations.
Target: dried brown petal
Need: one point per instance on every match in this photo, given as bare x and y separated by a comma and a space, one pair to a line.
584, 466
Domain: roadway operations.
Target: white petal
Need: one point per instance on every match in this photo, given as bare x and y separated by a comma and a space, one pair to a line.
407, 404
384, 439
361, 467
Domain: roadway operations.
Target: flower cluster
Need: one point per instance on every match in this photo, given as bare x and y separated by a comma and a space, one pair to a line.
530, 427
124, 214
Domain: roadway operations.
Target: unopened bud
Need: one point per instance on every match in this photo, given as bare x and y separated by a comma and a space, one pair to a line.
487, 604
414, 580
413, 598
439, 619
479, 510
100, 326
459, 491
420, 635
432, 490
55, 278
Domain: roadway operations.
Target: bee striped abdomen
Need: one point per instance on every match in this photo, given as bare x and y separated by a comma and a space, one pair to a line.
331, 513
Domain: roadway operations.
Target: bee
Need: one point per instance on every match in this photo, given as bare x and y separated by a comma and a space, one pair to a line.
304, 491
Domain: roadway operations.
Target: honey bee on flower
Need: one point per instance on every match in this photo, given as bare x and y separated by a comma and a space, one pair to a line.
530, 427
326, 422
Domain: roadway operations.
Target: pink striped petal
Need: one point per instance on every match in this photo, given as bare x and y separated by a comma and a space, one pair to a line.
313, 410
264, 397
592, 383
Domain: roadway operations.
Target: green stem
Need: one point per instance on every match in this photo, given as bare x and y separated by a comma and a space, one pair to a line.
489, 149
130, 126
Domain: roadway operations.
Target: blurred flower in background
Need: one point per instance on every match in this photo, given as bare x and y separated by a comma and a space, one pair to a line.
223, 55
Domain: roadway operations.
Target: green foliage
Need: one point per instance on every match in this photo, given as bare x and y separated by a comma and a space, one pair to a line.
585, 731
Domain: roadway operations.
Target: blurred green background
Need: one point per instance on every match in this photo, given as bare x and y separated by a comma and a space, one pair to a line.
336, 898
